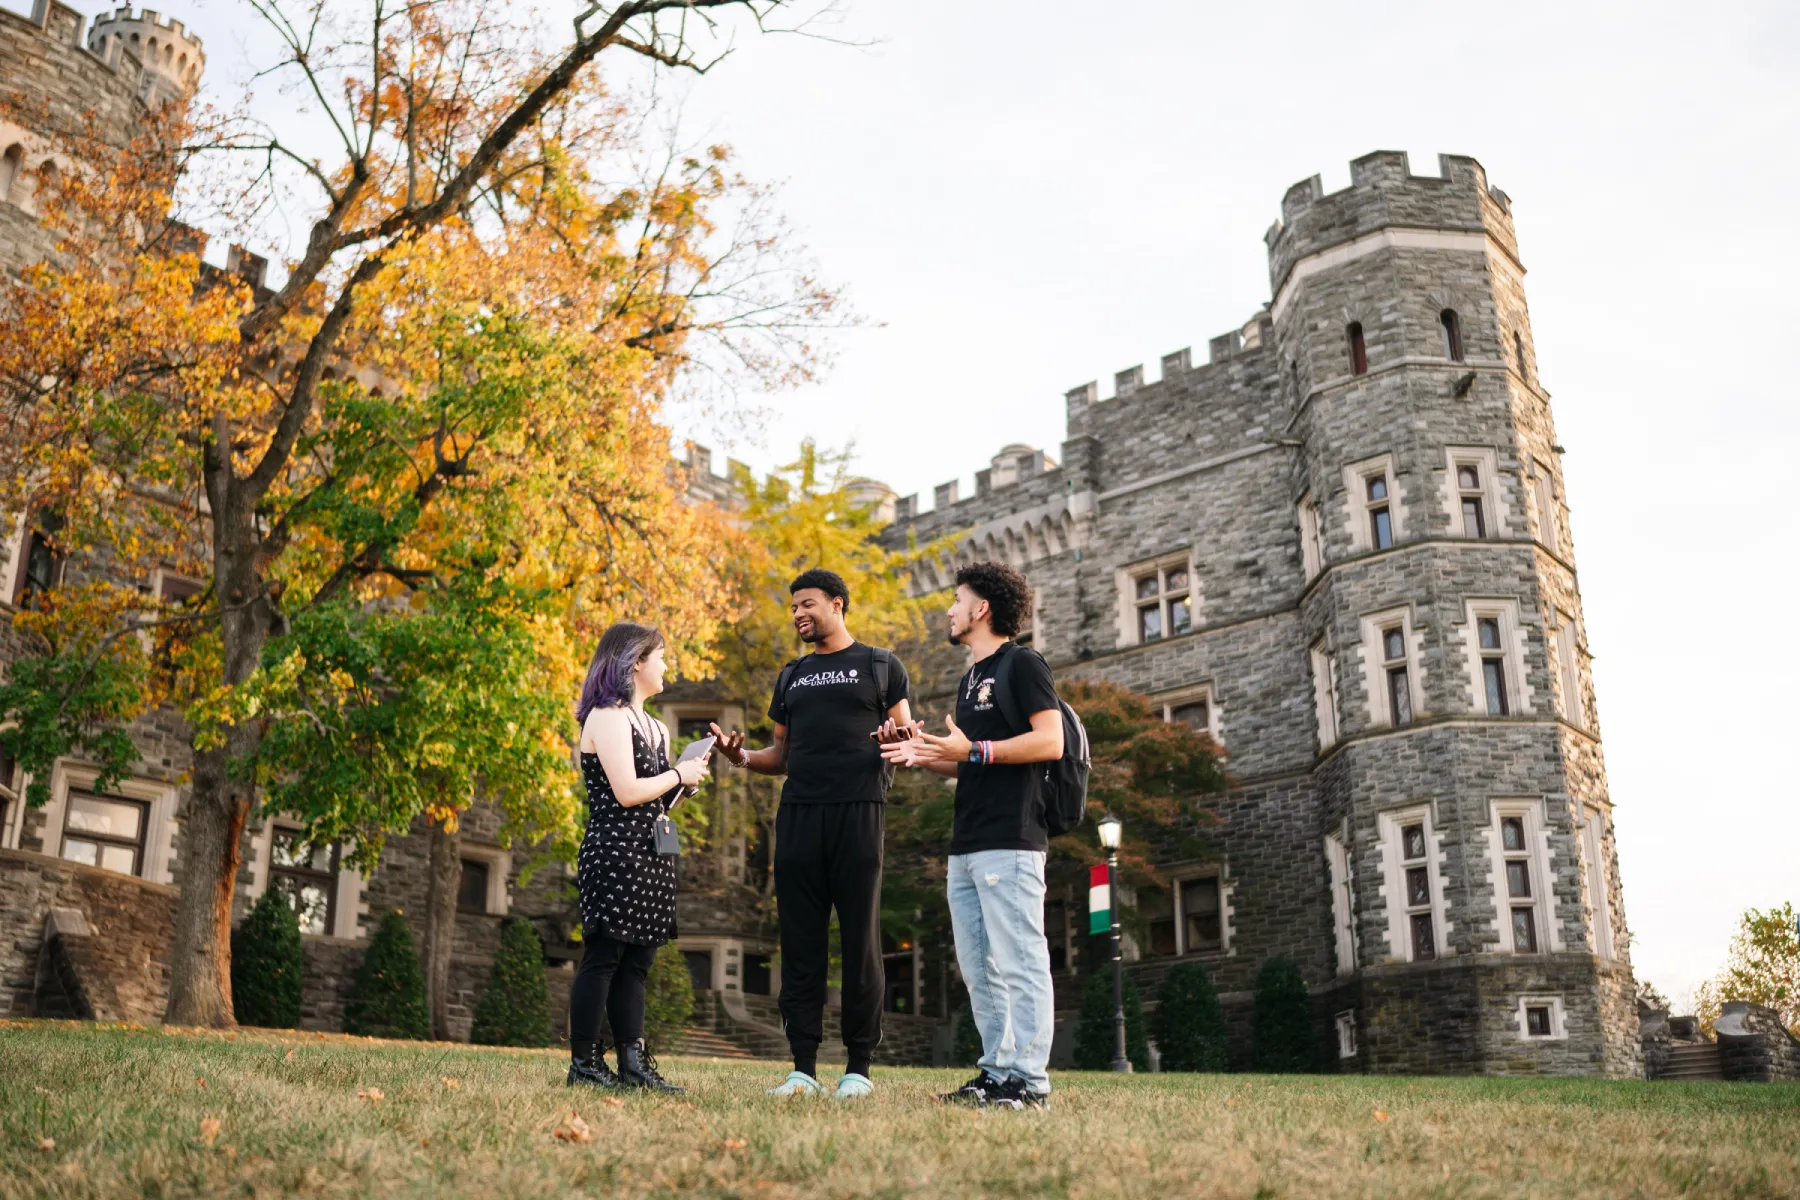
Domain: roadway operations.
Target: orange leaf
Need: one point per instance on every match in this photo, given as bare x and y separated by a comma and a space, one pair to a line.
614, 1101
452, 1084
209, 1130
1380, 1116
576, 1130
372, 1093
735, 1143
201, 1080
46, 1144
289, 1056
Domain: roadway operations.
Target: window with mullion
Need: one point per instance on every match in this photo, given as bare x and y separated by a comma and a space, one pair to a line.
1493, 665
104, 831
1399, 679
1421, 925
1381, 517
1164, 603
1516, 854
306, 876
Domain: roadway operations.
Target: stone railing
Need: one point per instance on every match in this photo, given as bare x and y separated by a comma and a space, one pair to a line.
1754, 1046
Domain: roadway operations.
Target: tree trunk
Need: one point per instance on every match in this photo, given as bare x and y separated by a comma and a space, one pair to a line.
440, 923
213, 827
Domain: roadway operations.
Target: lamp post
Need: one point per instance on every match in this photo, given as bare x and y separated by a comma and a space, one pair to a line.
1111, 833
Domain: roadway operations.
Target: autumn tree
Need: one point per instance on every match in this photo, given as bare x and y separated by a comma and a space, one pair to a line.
319, 449
1762, 966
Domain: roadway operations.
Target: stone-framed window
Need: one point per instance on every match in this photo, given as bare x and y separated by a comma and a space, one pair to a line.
1312, 552
1541, 1019
1393, 654
1343, 901
39, 568
1565, 654
1494, 654
1519, 861
1193, 707
1450, 328
1375, 503
80, 822
1345, 1026
327, 895
1472, 496
1158, 598
1201, 901
1325, 697
483, 889
1597, 881
1413, 862
1543, 490
10, 804
307, 876
1358, 348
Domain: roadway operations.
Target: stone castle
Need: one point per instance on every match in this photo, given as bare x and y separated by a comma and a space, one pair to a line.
1339, 545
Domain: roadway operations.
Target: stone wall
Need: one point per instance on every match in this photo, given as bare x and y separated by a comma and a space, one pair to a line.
1754, 1046
122, 965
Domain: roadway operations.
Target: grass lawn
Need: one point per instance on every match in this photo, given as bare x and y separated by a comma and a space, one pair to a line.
131, 1112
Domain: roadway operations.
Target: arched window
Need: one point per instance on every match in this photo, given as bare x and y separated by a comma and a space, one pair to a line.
10, 164
1519, 352
1359, 355
1453, 347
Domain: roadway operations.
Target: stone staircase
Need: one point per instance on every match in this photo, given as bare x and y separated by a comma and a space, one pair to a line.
704, 1043
1693, 1061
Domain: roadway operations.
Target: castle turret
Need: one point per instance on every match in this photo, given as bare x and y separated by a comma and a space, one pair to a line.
173, 58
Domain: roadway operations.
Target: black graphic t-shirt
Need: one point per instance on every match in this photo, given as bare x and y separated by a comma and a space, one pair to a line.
1001, 806
830, 709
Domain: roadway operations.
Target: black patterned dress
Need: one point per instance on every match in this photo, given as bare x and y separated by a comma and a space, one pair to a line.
627, 889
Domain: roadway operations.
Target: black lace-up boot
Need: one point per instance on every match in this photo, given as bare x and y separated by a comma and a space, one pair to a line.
637, 1068
588, 1067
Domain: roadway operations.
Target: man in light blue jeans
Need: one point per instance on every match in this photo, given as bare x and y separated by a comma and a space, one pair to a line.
1000, 838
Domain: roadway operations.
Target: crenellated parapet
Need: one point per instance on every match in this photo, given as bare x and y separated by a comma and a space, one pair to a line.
172, 57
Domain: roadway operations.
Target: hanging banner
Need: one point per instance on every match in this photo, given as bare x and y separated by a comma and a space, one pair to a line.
1099, 899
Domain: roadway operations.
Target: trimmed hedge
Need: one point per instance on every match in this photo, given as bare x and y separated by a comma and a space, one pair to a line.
1095, 1034
266, 964
515, 1008
1282, 1024
1190, 1023
388, 998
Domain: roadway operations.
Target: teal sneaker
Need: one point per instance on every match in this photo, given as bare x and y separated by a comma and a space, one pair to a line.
798, 1083
853, 1087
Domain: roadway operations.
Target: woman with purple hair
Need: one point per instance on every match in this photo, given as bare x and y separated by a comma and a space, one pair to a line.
627, 889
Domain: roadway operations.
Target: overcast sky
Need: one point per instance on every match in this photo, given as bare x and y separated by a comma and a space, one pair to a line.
1027, 196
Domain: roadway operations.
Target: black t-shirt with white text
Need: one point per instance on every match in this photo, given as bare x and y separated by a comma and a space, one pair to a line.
830, 708
1000, 806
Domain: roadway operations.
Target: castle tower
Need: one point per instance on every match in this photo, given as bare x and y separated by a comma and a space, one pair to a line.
1461, 790
173, 58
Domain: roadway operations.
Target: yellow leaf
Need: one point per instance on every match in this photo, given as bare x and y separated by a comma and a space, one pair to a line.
1380, 1116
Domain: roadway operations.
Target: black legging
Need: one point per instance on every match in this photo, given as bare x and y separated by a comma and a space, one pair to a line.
610, 980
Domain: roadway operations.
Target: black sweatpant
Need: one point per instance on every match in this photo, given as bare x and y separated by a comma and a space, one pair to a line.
829, 856
610, 980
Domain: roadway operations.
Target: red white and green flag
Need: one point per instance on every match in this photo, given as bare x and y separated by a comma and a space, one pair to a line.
1099, 899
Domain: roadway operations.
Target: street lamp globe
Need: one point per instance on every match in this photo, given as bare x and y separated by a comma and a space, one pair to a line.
1111, 831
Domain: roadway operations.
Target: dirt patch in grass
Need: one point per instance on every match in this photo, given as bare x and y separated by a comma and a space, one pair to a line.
88, 1110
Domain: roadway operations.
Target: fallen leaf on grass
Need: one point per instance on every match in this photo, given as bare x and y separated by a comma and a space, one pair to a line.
424, 1141
201, 1080
289, 1056
209, 1130
42, 1091
46, 1144
736, 1144
371, 1093
1380, 1116
612, 1102
576, 1130
452, 1084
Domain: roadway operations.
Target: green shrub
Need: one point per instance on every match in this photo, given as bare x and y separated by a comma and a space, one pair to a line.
1282, 1025
965, 1045
515, 1008
388, 997
668, 1001
266, 964
1095, 1033
1190, 1024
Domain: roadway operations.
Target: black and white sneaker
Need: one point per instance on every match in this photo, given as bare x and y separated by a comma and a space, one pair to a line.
1015, 1095
979, 1091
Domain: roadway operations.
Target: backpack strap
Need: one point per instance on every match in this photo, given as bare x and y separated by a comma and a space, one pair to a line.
787, 675
879, 667
1003, 688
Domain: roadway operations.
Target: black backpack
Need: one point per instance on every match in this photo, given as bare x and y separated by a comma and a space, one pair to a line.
879, 660
1066, 778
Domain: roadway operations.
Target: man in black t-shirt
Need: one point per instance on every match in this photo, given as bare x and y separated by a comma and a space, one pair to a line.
831, 711
999, 841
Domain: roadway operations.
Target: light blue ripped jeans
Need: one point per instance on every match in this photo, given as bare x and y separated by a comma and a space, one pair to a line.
997, 913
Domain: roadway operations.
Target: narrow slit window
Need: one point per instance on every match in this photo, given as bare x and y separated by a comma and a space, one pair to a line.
1452, 329
1522, 902
1359, 354
1493, 665
1420, 924
1469, 490
1399, 681
1519, 353
1381, 517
